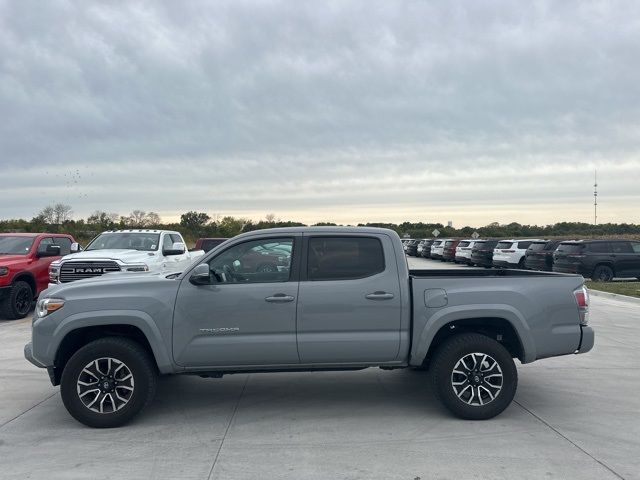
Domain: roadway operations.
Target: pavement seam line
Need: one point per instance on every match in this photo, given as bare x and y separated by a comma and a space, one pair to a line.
224, 437
540, 419
26, 411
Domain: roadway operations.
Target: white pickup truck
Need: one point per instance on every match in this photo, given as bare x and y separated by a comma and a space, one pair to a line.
160, 251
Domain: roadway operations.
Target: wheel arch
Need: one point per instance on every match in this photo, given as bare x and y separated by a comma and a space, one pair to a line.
75, 332
504, 324
28, 278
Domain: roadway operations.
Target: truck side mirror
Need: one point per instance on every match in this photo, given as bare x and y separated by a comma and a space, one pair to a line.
201, 275
75, 247
50, 251
178, 248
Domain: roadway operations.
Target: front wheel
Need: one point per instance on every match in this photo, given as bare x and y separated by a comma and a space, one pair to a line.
18, 303
107, 382
474, 376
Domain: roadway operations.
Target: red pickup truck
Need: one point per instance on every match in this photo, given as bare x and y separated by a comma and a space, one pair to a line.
24, 268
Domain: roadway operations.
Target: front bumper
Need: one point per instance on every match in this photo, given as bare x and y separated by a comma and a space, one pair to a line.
28, 354
5, 291
587, 339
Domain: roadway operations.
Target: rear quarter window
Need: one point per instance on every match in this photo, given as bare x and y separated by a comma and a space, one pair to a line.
344, 258
621, 247
636, 247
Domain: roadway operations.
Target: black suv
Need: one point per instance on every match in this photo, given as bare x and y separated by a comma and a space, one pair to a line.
539, 255
412, 248
482, 253
602, 260
426, 248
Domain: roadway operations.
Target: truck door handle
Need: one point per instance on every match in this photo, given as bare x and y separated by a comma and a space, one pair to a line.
379, 296
279, 298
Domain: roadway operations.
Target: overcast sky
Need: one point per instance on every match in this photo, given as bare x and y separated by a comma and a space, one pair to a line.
322, 111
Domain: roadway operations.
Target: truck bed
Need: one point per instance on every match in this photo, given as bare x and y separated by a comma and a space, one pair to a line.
480, 272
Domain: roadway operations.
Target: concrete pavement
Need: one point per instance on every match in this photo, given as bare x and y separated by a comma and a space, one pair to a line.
574, 417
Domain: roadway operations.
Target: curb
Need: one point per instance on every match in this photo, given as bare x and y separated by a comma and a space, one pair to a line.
615, 296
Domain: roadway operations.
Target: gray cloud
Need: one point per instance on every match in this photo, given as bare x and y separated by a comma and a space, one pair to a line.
347, 111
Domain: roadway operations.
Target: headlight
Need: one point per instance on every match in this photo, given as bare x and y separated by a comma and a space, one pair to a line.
138, 268
3, 271
47, 306
54, 272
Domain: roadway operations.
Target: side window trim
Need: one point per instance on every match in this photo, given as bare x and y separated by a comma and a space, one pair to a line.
304, 272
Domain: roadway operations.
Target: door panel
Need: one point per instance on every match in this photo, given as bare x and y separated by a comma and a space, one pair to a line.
233, 324
350, 320
244, 317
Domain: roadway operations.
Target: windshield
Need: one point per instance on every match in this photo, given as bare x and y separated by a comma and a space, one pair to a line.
14, 245
143, 241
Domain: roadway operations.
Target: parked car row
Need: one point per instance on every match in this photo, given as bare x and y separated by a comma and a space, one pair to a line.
32, 262
600, 260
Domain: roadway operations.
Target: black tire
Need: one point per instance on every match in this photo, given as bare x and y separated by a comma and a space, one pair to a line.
521, 265
602, 273
135, 358
18, 303
455, 350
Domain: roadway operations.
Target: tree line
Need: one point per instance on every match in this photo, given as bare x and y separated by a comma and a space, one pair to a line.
59, 218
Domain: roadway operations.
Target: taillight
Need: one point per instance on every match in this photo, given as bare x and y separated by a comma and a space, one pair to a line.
582, 299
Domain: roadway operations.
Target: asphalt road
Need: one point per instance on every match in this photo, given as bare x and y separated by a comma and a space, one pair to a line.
573, 417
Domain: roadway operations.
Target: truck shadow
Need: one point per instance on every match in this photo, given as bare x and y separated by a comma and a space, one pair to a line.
370, 393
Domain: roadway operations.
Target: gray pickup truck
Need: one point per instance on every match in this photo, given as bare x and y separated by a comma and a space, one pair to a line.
330, 298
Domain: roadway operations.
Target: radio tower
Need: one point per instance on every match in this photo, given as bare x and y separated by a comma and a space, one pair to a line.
595, 197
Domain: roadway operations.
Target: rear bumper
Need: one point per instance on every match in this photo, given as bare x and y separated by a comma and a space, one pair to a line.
504, 264
535, 264
482, 261
587, 339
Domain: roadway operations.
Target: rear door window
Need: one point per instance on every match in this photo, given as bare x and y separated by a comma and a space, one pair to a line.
636, 247
570, 247
344, 258
621, 247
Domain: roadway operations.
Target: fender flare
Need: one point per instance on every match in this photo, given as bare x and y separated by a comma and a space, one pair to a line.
135, 318
463, 312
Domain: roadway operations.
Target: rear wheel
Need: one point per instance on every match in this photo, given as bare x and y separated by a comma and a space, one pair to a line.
521, 264
474, 376
602, 273
18, 303
107, 382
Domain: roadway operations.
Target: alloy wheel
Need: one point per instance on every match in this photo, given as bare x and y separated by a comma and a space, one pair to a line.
477, 379
105, 385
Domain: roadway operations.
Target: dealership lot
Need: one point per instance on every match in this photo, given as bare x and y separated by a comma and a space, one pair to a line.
574, 417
